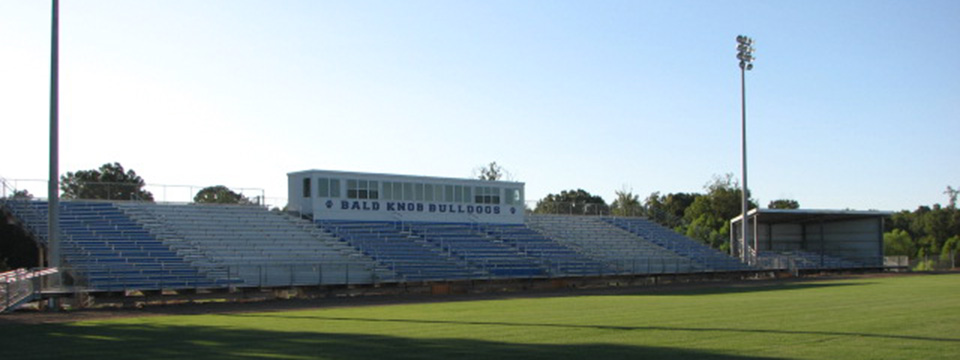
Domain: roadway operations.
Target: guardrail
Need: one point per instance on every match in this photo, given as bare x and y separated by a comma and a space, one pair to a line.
20, 286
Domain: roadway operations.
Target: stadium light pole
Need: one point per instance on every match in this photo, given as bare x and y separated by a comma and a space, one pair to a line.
53, 194
745, 55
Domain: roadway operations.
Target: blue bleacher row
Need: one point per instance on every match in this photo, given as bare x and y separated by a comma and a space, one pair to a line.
434, 251
121, 245
110, 250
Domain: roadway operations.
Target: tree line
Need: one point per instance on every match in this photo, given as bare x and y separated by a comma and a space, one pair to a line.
927, 231
702, 216
112, 182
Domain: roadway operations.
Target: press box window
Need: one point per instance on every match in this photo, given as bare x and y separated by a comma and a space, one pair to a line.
428, 192
487, 195
513, 197
306, 187
387, 190
323, 187
352, 189
363, 189
335, 188
374, 190
418, 192
438, 192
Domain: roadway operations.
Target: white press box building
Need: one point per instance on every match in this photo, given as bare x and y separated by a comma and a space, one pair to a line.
339, 195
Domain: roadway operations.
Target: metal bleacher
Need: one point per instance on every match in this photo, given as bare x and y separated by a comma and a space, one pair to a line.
559, 259
411, 256
469, 243
420, 251
625, 251
113, 246
256, 247
707, 258
106, 250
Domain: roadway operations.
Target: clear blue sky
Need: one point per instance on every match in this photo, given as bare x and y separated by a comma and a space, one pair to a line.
852, 104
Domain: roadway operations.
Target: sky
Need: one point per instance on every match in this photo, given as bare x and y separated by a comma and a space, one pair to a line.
851, 104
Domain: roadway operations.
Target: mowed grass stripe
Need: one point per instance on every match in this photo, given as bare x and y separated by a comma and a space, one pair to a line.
903, 317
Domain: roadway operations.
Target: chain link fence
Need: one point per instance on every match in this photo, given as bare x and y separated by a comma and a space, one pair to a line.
943, 262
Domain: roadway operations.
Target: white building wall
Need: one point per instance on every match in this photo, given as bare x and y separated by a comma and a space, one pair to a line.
386, 197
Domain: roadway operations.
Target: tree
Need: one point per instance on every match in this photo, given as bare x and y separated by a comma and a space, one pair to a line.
667, 210
931, 228
950, 247
784, 204
626, 204
951, 196
22, 195
109, 182
898, 242
220, 194
573, 202
708, 218
491, 172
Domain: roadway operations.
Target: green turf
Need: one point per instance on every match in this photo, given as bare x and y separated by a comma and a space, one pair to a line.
908, 317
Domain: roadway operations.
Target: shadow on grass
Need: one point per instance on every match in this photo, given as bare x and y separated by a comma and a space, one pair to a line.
607, 327
122, 341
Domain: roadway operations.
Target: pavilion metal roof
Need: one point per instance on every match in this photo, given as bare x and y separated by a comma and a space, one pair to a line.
801, 216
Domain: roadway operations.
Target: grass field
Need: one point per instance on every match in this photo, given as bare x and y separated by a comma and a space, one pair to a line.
901, 317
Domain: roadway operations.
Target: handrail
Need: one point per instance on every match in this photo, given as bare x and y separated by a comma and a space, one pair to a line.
20, 285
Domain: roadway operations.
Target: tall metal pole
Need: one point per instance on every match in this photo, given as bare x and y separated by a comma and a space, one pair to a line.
743, 153
745, 55
53, 194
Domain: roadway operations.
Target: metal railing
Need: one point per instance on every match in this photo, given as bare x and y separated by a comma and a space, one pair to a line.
795, 262
306, 274
20, 286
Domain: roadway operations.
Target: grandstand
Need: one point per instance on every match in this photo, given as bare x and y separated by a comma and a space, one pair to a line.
111, 246
347, 229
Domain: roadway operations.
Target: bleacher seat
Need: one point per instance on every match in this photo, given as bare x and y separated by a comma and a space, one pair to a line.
707, 258
106, 250
256, 247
